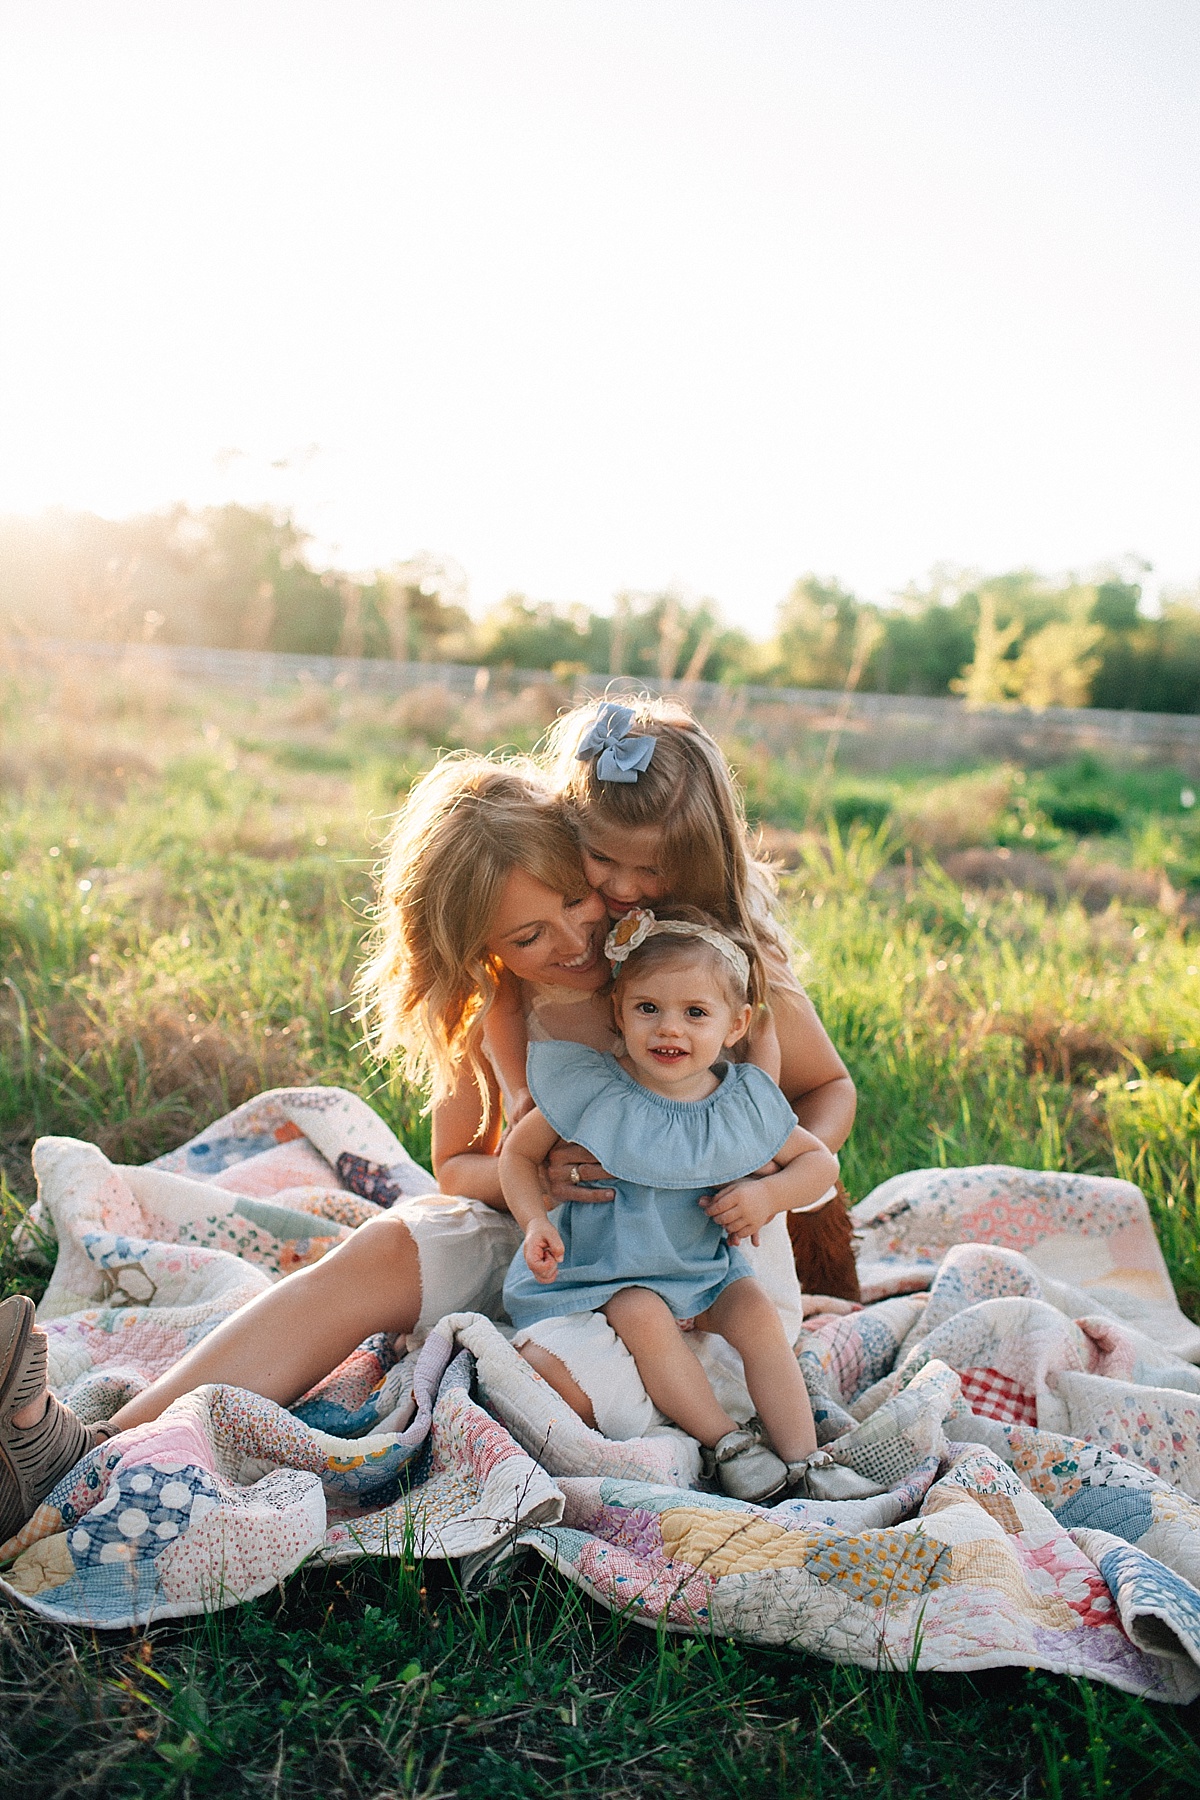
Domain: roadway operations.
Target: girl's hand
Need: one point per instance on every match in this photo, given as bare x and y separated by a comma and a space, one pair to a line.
740, 1209
565, 1167
543, 1249
522, 1102
825, 1303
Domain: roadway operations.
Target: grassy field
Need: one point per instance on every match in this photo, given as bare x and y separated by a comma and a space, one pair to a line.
1009, 960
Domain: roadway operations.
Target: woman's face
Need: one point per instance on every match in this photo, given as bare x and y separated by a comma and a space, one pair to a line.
541, 935
623, 864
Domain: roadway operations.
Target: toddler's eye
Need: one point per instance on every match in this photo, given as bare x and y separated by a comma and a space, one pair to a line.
697, 1012
647, 1007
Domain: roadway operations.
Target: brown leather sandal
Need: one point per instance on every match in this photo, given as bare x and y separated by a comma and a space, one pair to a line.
32, 1457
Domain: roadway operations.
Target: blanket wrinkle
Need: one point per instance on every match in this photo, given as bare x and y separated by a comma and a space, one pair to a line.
1018, 1400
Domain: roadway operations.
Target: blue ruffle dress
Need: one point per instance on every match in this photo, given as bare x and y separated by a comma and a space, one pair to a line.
663, 1156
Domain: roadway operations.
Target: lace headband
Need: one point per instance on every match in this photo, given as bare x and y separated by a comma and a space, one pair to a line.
641, 924
620, 756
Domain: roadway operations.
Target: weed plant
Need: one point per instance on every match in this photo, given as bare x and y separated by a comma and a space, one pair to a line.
183, 883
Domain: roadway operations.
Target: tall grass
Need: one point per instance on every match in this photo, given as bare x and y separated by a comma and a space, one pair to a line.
183, 884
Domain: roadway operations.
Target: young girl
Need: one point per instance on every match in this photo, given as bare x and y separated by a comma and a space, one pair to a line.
659, 817
670, 1119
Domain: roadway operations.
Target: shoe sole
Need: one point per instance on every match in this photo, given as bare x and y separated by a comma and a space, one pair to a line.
12, 1355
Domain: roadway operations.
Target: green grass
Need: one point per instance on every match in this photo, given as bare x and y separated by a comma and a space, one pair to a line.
228, 841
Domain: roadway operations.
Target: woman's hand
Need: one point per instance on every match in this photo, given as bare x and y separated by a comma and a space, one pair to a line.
825, 1303
543, 1249
741, 1209
565, 1167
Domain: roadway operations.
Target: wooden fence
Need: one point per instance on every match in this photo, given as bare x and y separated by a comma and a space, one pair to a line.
871, 731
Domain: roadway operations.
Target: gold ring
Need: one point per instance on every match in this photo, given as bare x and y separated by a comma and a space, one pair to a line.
574, 1174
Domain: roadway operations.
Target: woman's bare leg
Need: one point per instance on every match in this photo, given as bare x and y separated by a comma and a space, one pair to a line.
555, 1372
287, 1338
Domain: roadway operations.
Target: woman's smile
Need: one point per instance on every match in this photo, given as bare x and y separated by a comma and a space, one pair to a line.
540, 935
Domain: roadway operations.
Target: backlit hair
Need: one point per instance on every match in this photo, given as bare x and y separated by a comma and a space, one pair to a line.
430, 979
687, 795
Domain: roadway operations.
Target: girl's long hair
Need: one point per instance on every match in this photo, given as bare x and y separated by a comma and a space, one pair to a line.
687, 794
429, 980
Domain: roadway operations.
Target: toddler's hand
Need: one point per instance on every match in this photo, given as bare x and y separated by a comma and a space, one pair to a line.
740, 1210
543, 1250
522, 1102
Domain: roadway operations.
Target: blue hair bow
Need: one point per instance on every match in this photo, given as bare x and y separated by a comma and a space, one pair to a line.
619, 757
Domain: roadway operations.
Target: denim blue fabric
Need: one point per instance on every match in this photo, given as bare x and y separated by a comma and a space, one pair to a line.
664, 1156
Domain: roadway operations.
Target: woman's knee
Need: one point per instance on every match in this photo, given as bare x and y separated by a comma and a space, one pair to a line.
384, 1243
377, 1267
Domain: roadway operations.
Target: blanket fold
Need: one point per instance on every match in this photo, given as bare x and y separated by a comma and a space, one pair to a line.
1018, 1407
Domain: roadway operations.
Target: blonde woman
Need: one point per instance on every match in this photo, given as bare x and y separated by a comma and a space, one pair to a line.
482, 897
482, 884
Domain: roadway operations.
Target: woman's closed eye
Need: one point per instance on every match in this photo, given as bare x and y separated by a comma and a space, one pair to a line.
527, 943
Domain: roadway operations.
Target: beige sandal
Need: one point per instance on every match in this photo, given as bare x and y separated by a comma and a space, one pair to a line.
33, 1458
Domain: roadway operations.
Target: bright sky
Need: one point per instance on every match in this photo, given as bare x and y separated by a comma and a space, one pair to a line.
592, 294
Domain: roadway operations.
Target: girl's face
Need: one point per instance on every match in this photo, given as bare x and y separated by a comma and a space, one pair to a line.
541, 935
676, 1020
623, 864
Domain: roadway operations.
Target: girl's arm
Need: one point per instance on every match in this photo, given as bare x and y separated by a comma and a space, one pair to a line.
813, 1075
805, 1170
507, 1039
523, 1151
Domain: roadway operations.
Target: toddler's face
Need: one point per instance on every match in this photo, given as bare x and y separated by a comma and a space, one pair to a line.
676, 1021
622, 864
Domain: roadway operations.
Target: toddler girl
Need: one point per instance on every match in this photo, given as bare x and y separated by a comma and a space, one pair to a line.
669, 1119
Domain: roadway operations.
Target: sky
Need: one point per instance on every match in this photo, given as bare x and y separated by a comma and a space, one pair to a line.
593, 295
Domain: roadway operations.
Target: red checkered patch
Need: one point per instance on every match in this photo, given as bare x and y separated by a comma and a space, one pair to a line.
997, 1396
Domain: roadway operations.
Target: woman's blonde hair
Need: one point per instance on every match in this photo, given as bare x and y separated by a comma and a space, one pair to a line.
687, 794
430, 978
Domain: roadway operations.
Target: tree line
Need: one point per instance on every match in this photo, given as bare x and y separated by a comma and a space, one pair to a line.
242, 578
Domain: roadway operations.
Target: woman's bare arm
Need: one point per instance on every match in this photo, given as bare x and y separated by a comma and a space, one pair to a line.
465, 1158
813, 1075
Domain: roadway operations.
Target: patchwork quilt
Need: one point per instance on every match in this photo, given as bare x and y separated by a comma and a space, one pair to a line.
1012, 1426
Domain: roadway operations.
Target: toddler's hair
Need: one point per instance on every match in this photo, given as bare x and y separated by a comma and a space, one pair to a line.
666, 947
687, 793
429, 981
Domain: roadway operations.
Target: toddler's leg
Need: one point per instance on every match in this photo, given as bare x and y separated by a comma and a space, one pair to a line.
670, 1373
746, 1317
